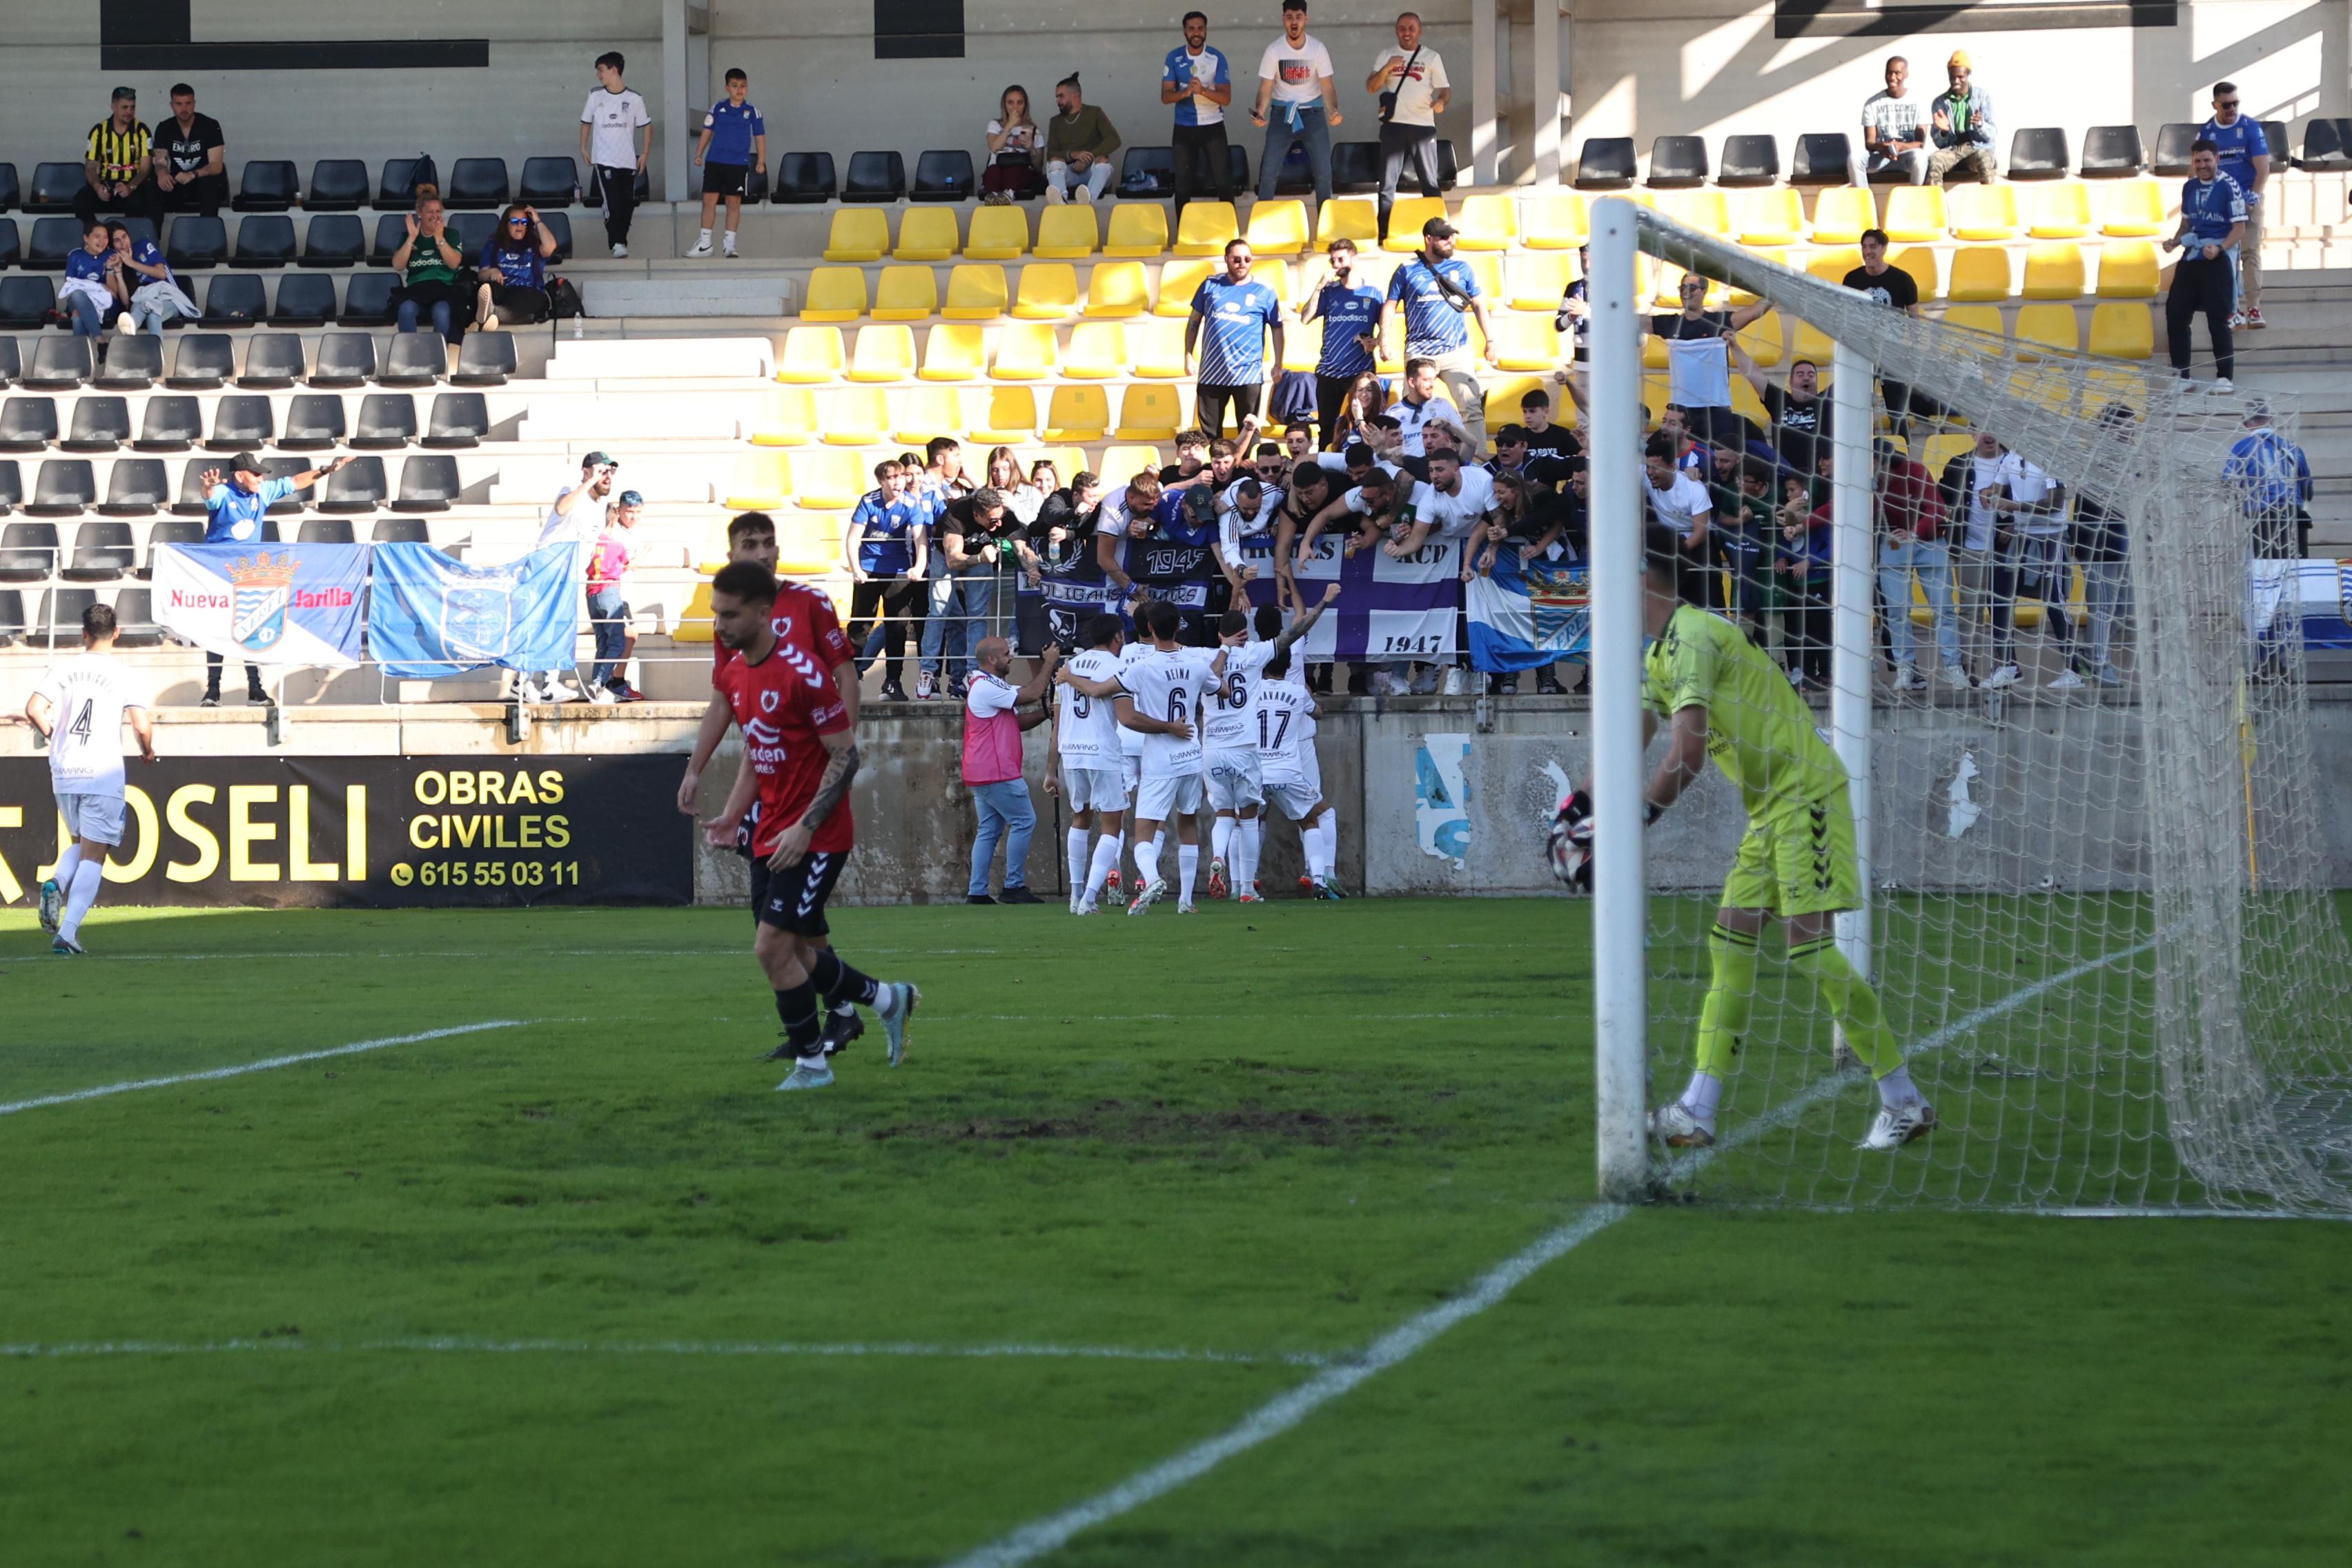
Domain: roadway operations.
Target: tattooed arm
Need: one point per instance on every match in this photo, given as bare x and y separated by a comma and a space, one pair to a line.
840, 767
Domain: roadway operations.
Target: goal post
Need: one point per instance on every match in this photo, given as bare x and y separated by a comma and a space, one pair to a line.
2090, 897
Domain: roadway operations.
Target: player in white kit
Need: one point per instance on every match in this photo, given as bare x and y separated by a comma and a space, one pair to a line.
1159, 697
1282, 723
1231, 751
1087, 739
80, 706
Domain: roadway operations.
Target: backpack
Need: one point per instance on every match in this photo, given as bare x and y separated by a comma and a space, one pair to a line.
563, 300
426, 172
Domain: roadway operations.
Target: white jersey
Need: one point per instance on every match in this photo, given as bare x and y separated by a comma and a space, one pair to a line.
1225, 722
1169, 684
1130, 741
1283, 718
87, 696
1086, 728
586, 522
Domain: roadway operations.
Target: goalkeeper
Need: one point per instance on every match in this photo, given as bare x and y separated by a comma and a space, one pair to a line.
1723, 695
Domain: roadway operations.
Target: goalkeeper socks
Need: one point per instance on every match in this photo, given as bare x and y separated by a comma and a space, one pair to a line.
1220, 838
1146, 860
796, 1006
1723, 1016
839, 982
1188, 868
1705, 1093
1075, 841
1897, 1090
1106, 861
1852, 1003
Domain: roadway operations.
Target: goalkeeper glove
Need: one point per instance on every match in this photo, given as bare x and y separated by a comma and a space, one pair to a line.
1570, 844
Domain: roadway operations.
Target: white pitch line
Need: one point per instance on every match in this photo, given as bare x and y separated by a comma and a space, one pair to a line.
467, 1346
101, 1091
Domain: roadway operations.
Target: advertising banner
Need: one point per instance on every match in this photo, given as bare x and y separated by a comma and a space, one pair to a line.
293, 604
431, 615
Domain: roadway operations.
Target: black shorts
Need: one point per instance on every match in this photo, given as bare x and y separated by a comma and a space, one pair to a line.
793, 899
724, 179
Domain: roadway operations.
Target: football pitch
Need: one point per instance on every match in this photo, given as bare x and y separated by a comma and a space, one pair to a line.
1264, 1236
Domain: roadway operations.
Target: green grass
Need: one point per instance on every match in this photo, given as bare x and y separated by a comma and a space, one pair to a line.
1265, 1136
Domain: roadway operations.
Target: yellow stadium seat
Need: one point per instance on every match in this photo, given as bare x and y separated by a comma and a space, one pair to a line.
693, 625
1984, 212
1524, 342
1278, 227
1077, 413
1554, 221
1206, 228
2049, 326
1156, 350
811, 354
1916, 213
1808, 342
1405, 219
1981, 272
952, 353
836, 294
1535, 280
1302, 345
858, 234
1942, 449
1487, 268
1775, 254
2133, 209
2123, 331
1832, 266
1049, 292
787, 418
2127, 269
1066, 460
883, 353
1275, 273
823, 481
1919, 260
976, 292
1097, 351
762, 481
1121, 464
1148, 413
998, 234
1653, 352
2060, 209
1746, 402
1003, 416
1976, 319
1706, 210
1137, 229
1773, 214
1117, 289
1025, 352
1841, 213
1068, 232
926, 234
1348, 217
2054, 270
1503, 394
920, 413
1764, 339
1179, 281
906, 294
853, 416
1490, 222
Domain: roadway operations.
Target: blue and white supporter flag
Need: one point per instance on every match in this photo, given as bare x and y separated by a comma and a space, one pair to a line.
1527, 615
431, 615
265, 603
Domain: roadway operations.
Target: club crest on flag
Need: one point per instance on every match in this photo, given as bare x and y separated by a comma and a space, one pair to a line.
261, 587
475, 618
1558, 600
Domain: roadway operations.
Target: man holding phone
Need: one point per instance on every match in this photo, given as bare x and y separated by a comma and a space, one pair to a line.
577, 518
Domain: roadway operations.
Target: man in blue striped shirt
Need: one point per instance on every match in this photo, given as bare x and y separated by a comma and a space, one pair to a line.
2212, 221
1350, 313
1231, 314
1433, 291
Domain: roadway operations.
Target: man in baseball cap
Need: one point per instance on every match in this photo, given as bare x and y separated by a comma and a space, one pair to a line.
1433, 291
578, 516
235, 511
1962, 126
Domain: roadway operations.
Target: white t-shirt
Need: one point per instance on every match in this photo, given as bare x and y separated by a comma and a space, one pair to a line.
1410, 419
1681, 505
1130, 741
585, 523
1168, 683
1455, 515
1981, 518
988, 695
1281, 721
1414, 99
612, 144
1296, 73
2030, 485
1233, 527
1225, 717
87, 695
1023, 138
1086, 728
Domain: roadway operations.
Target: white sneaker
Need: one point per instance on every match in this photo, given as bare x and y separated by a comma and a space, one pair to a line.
1087, 907
1151, 893
1457, 682
2110, 675
619, 253
926, 687
1901, 1125
1054, 196
2066, 681
728, 250
1955, 675
2007, 675
1379, 684
701, 248
894, 1006
1908, 679
2237, 322
1674, 1125
602, 698
2222, 387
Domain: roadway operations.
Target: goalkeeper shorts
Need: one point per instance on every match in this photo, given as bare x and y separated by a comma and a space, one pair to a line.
1802, 862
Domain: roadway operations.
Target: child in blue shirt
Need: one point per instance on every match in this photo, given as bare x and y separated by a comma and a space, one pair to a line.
734, 142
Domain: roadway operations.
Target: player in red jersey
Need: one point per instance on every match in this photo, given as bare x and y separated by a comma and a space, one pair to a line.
800, 753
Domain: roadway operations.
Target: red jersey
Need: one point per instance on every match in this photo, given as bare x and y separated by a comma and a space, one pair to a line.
805, 618
783, 702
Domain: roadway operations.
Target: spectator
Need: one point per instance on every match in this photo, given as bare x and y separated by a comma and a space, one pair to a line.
1801, 416
2245, 156
608, 605
513, 270
1297, 103
1384, 433
1546, 440
941, 482
1741, 489
1802, 562
236, 512
1699, 360
1681, 502
1962, 126
1014, 145
888, 546
2032, 508
995, 713
1910, 529
976, 537
615, 135
1409, 81
577, 520
93, 292
1573, 320
2101, 547
1985, 580
1232, 313
1896, 290
2273, 479
1079, 142
1360, 403
2213, 223
116, 166
430, 264
1032, 627
734, 143
156, 295
1894, 147
1433, 291
191, 158
1350, 313
1199, 80
1418, 403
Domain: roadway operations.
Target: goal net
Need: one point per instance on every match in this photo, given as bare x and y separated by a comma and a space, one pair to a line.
2098, 917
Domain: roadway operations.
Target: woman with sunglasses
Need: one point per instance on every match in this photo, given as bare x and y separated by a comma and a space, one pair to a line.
513, 269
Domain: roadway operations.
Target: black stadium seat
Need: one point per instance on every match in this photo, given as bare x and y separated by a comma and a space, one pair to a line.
486, 359
427, 484
12, 615
804, 177
459, 419
234, 298
170, 531
1356, 166
59, 624
471, 231
1147, 172
2111, 152
1823, 158
134, 619
193, 243
304, 300
2172, 142
333, 239
2038, 152
367, 300
11, 192
12, 485
137, 488
2275, 138
403, 530
559, 226
57, 363
266, 185
28, 552
875, 177
264, 239
391, 234
477, 184
549, 182
172, 423
345, 358
53, 239
53, 188
285, 468
103, 551
1678, 160
416, 359
26, 301
324, 531
2326, 144
942, 176
386, 419
275, 361
1605, 163
241, 420
357, 488
133, 361
27, 424
100, 424
66, 487
337, 185
1749, 161
191, 502
12, 244
314, 422
755, 187
11, 365
394, 193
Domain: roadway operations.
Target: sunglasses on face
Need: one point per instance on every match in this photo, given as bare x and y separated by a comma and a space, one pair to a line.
518, 223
